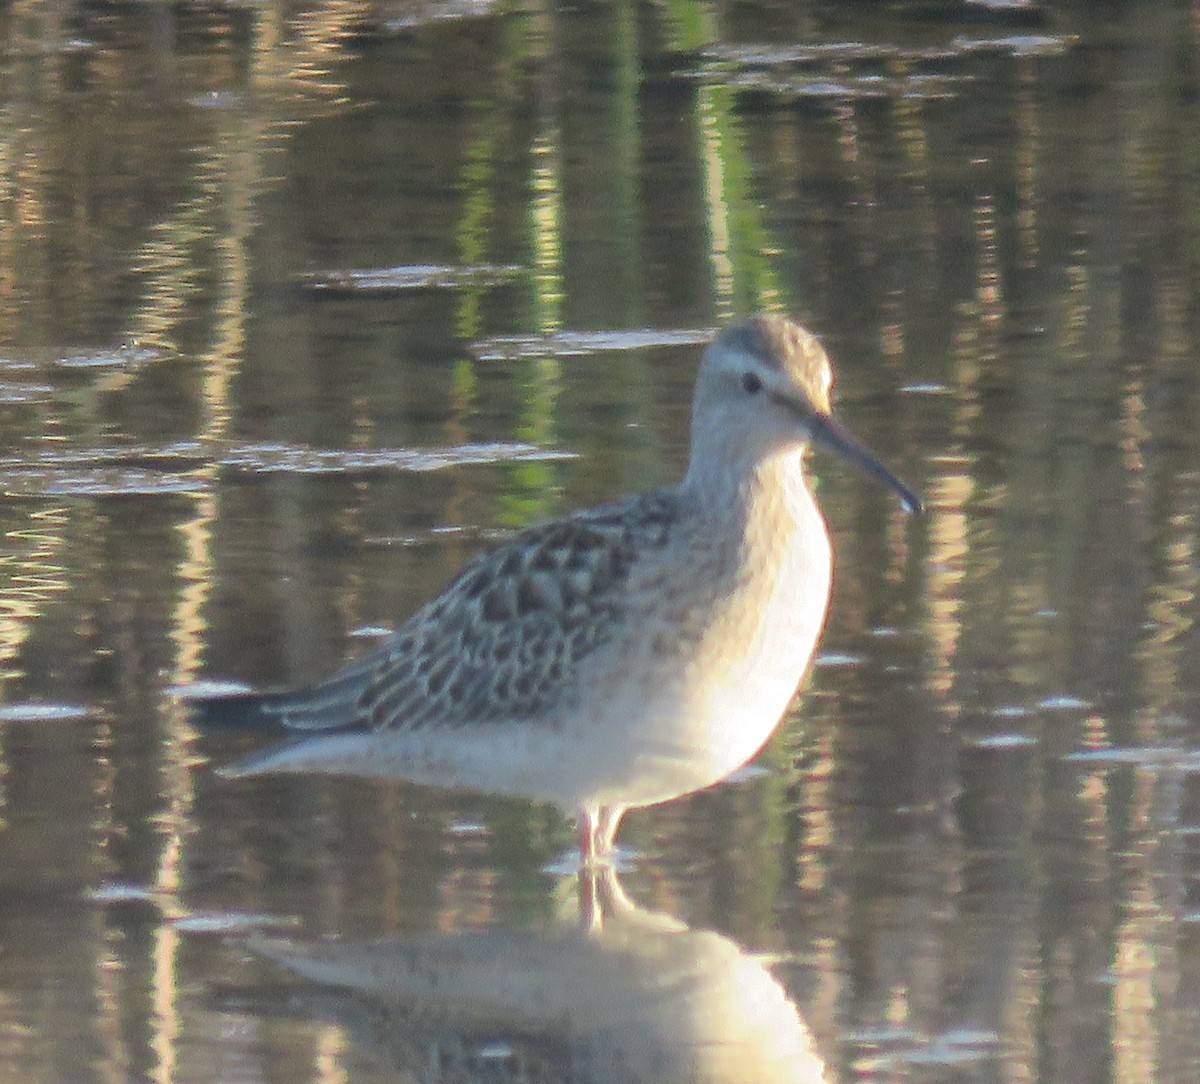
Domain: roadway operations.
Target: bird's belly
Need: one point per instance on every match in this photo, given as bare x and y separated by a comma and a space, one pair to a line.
694, 721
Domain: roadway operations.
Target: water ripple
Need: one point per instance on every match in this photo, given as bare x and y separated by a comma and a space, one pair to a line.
1017, 44
857, 69
576, 343
763, 55
43, 713
1008, 740
231, 922
1159, 757
208, 689
439, 11
15, 392
409, 277
96, 482
126, 356
186, 466
867, 85
270, 458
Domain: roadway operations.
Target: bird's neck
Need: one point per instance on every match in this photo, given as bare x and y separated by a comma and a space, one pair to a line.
766, 498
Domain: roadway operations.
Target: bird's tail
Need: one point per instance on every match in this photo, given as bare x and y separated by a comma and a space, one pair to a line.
264, 713
327, 706
323, 732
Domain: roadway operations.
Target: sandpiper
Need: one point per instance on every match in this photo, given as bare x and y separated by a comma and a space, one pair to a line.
620, 656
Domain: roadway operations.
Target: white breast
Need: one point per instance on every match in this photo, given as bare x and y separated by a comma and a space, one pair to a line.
768, 665
703, 713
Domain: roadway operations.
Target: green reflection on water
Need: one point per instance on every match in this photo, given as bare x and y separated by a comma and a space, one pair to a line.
1018, 252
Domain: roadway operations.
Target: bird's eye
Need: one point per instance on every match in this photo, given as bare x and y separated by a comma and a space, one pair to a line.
751, 383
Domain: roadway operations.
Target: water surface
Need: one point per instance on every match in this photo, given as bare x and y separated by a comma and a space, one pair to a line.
301, 306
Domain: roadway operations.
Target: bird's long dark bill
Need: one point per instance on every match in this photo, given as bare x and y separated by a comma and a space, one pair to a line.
828, 431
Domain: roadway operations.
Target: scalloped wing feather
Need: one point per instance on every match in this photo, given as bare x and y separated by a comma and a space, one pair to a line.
505, 638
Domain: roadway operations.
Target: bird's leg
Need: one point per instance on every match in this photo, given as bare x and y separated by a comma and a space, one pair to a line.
591, 907
601, 897
597, 831
610, 896
589, 903
608, 820
588, 825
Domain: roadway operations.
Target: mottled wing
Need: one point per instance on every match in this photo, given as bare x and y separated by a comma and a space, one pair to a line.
505, 639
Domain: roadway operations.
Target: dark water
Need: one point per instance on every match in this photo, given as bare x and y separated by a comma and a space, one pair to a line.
300, 306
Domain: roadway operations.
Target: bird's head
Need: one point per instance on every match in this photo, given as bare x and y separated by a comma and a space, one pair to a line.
763, 389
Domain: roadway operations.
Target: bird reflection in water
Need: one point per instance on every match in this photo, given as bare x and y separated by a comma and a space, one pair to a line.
622, 995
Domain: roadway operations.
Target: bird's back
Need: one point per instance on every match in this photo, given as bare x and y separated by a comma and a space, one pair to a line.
505, 640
